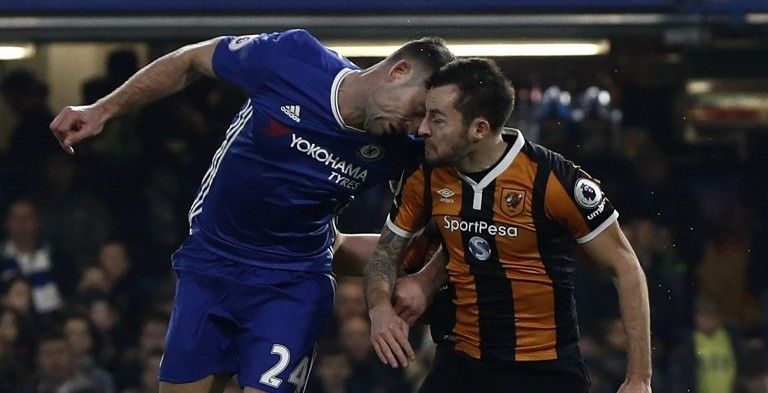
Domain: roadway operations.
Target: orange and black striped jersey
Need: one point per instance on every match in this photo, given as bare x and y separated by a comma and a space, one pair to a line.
510, 240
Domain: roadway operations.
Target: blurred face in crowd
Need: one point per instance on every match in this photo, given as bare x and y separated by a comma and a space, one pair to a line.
113, 258
93, 279
448, 137
54, 361
153, 335
350, 300
647, 237
707, 322
9, 327
19, 297
355, 334
79, 337
333, 371
22, 224
102, 316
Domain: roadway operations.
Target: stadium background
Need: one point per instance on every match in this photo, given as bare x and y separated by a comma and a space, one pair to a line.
672, 117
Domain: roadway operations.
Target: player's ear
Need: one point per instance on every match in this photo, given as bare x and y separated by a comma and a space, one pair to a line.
400, 69
479, 128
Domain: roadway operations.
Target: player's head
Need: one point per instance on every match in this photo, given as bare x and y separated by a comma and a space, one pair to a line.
468, 100
396, 105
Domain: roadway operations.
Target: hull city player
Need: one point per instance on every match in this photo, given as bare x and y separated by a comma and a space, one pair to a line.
509, 213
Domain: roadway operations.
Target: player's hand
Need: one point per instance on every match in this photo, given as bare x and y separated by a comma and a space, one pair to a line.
410, 298
75, 123
389, 336
636, 386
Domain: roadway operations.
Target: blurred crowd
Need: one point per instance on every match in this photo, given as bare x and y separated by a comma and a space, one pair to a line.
86, 286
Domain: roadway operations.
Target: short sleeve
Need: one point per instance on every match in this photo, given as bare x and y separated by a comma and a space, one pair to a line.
575, 200
249, 60
408, 216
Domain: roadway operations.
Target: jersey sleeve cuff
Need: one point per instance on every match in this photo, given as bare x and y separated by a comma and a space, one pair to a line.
610, 220
399, 231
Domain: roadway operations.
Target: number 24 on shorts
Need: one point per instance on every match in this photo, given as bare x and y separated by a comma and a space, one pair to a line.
297, 377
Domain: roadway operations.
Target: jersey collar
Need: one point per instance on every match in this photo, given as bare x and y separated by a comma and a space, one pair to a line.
335, 98
496, 171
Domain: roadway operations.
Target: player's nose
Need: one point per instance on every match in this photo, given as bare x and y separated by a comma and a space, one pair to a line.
423, 130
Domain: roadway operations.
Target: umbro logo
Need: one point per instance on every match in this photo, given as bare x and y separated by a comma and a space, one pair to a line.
446, 195
292, 111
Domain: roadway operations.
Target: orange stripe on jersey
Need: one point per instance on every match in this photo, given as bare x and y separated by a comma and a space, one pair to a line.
558, 203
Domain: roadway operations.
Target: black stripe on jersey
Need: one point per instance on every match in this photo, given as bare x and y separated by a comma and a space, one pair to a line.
442, 316
427, 191
496, 307
556, 247
397, 201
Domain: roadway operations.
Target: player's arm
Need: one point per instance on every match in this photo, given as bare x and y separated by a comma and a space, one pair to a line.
413, 293
351, 253
162, 77
389, 332
611, 249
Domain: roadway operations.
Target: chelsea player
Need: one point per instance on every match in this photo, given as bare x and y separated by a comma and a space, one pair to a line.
255, 286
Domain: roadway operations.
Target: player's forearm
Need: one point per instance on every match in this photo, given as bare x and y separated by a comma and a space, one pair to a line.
633, 301
381, 269
162, 77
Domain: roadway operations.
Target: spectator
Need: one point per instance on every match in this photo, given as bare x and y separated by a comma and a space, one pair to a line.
25, 253
93, 281
151, 339
31, 140
17, 296
79, 335
122, 283
15, 352
349, 303
77, 221
706, 360
105, 318
56, 369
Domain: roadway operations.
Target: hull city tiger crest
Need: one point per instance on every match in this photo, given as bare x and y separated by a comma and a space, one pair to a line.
512, 201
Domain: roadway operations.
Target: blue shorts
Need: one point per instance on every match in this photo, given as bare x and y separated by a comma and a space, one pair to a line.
259, 323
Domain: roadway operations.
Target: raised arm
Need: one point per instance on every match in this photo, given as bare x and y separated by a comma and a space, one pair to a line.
389, 332
162, 77
611, 249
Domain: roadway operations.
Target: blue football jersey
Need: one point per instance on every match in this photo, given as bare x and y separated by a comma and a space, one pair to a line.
288, 162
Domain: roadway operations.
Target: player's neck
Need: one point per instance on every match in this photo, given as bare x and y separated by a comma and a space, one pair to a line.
486, 153
354, 91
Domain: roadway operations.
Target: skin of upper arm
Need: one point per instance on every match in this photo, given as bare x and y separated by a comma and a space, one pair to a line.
201, 56
611, 249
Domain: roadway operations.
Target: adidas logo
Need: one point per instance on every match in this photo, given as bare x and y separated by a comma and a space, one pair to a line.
292, 111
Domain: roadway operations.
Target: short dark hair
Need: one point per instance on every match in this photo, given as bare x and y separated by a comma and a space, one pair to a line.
483, 89
430, 52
